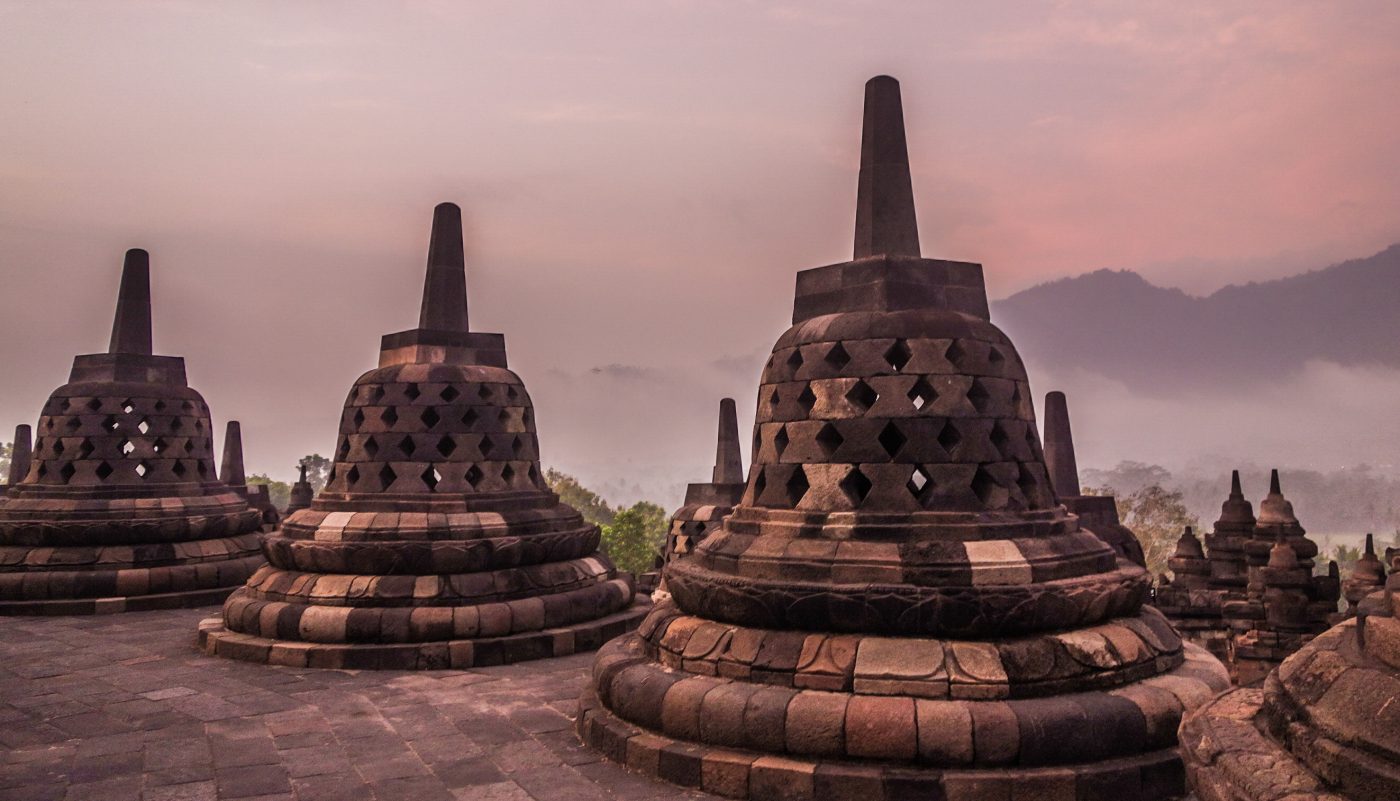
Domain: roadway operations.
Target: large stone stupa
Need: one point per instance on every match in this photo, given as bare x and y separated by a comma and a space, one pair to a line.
121, 509
899, 607
436, 542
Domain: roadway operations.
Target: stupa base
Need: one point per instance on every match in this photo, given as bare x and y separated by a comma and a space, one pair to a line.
589, 635
122, 603
746, 774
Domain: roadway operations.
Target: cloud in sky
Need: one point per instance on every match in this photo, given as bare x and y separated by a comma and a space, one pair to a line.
641, 180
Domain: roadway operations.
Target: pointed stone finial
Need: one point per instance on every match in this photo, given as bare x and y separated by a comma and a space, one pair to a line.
1370, 545
1273, 483
21, 456
1235, 489
885, 222
231, 472
131, 328
1059, 447
729, 468
301, 466
445, 288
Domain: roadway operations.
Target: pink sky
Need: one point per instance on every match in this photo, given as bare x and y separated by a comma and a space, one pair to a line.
641, 180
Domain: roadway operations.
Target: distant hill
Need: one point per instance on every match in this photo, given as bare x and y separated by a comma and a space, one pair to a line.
1165, 341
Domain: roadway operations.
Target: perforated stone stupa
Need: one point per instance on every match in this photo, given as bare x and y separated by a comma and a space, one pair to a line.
120, 508
899, 607
707, 503
436, 542
1323, 727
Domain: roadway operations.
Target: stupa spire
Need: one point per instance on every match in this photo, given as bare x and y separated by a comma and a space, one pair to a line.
445, 286
885, 222
1235, 488
1059, 446
131, 328
21, 456
1273, 483
729, 468
231, 470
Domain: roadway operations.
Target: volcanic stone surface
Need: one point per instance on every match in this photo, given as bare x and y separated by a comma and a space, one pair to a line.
1325, 724
436, 542
120, 508
899, 607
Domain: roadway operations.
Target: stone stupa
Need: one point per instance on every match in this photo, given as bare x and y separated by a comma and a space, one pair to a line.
302, 492
1096, 513
232, 473
899, 607
706, 504
436, 542
21, 454
121, 509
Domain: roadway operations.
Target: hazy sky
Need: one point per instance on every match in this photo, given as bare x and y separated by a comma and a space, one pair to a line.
641, 181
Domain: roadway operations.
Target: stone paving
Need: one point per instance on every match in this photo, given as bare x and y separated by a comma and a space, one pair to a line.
115, 707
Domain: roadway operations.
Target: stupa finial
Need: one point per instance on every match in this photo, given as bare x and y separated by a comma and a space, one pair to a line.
445, 287
1235, 488
729, 468
231, 470
1273, 483
131, 328
21, 455
1059, 446
885, 222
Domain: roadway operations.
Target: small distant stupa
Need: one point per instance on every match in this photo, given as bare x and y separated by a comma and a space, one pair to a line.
436, 542
121, 509
21, 455
302, 492
231, 472
707, 503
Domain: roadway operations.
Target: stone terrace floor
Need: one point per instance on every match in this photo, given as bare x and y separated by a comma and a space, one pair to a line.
116, 707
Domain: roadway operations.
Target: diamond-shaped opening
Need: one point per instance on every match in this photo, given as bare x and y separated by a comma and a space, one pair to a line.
954, 353
64, 405
856, 486
780, 440
829, 439
371, 447
511, 393
179, 468
469, 418
504, 416
898, 355
487, 446
922, 394
352, 475
160, 406
949, 437
1028, 484
128, 406
760, 483
412, 392
94, 404
390, 415
109, 423
198, 425
376, 394
449, 393
144, 426
344, 451
189, 446
57, 446
474, 475
837, 358
979, 396
187, 406
431, 477
892, 439
67, 470
508, 473
517, 445
127, 447
142, 469
1000, 439
74, 423
773, 399
429, 417
43, 470
203, 468
795, 360
1016, 396
988, 490
484, 392
406, 446
796, 486
175, 424
446, 446
159, 445
862, 396
995, 356
920, 483
387, 476
534, 475
527, 418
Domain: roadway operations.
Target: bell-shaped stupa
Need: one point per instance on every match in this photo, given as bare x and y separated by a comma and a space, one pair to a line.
231, 472
436, 542
121, 508
899, 607
302, 492
706, 504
